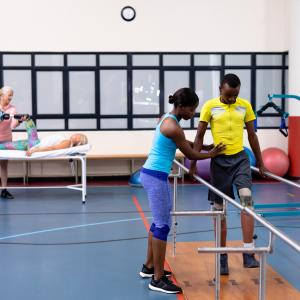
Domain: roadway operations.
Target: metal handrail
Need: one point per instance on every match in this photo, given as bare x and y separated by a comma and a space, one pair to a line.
234, 250
271, 175
258, 218
261, 251
207, 213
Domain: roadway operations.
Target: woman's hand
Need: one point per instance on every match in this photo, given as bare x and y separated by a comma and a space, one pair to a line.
217, 150
23, 118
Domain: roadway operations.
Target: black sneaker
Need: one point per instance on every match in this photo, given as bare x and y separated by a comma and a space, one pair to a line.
164, 285
149, 272
6, 194
250, 260
224, 270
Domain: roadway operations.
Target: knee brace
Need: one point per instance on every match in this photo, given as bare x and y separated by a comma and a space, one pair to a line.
246, 197
161, 233
152, 228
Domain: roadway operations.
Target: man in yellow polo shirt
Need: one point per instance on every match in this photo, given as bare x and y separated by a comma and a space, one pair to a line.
228, 115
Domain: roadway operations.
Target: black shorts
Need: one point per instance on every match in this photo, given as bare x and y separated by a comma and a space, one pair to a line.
229, 170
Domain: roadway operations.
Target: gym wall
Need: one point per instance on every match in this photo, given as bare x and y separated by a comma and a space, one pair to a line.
185, 26
96, 25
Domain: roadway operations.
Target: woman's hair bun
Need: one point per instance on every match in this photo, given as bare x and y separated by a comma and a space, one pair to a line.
171, 99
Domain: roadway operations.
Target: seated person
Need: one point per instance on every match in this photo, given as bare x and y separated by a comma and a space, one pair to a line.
34, 144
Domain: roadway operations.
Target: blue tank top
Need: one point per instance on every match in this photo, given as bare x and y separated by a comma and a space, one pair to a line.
163, 150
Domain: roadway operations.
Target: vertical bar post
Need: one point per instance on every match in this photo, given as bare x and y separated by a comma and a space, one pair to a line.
262, 277
76, 171
83, 177
217, 256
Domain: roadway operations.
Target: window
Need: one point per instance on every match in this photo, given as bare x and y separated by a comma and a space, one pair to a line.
145, 91
113, 92
268, 82
20, 81
207, 86
49, 93
82, 92
125, 90
245, 77
173, 81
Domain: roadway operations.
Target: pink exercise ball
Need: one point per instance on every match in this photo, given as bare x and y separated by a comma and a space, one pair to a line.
202, 167
276, 161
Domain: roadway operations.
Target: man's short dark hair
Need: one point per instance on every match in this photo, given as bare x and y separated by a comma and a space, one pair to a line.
232, 80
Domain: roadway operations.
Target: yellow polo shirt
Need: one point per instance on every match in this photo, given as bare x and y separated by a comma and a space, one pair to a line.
227, 122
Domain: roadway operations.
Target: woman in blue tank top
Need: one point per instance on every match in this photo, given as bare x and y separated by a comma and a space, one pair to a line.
154, 176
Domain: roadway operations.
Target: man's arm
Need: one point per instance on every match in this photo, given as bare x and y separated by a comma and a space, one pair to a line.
198, 144
254, 143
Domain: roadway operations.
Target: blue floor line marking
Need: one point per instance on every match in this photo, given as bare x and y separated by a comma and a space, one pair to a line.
68, 227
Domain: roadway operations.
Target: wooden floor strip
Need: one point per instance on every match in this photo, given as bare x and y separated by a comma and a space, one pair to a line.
195, 272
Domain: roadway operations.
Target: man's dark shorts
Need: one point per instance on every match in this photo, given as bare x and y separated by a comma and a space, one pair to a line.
229, 170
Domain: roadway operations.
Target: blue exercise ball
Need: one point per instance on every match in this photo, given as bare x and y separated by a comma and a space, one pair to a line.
135, 179
251, 156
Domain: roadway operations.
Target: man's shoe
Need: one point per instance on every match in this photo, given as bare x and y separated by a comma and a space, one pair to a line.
6, 194
224, 270
164, 285
149, 272
250, 261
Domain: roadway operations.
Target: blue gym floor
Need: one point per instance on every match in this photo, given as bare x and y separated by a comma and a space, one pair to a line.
53, 247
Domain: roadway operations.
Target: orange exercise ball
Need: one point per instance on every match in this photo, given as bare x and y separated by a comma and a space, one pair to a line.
276, 161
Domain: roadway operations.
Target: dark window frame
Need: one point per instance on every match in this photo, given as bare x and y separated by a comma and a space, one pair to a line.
65, 69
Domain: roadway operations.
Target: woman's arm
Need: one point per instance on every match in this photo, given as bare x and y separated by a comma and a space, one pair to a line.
172, 130
14, 123
62, 145
204, 147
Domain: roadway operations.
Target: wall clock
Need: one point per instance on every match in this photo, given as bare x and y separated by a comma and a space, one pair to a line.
128, 13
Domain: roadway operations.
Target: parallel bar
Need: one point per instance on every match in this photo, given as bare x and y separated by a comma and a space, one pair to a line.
234, 250
279, 213
70, 187
271, 241
217, 250
217, 257
258, 218
207, 213
277, 205
262, 277
175, 175
277, 177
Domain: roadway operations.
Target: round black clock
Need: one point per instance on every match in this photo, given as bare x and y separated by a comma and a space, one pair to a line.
128, 13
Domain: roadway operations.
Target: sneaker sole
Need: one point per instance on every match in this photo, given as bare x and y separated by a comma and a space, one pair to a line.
153, 288
145, 275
